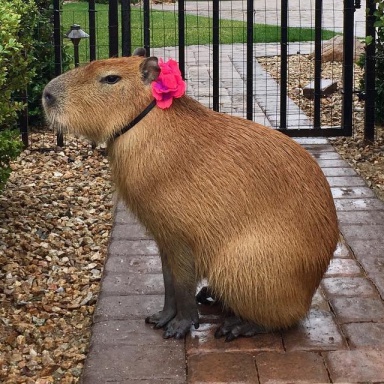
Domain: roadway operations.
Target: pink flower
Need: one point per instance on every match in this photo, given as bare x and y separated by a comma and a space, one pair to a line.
168, 85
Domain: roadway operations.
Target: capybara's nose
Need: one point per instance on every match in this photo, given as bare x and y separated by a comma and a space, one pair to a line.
49, 98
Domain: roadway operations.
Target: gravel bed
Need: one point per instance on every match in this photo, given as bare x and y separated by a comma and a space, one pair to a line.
367, 159
55, 221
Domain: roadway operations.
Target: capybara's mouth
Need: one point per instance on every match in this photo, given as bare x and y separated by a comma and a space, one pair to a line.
54, 122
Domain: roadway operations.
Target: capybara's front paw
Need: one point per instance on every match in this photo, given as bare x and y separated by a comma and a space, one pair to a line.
160, 319
179, 327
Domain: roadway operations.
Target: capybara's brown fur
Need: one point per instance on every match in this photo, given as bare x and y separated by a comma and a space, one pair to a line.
226, 199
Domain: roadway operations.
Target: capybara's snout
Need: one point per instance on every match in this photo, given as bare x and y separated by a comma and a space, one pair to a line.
53, 92
49, 99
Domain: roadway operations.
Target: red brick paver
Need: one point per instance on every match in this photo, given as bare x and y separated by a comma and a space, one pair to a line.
291, 367
358, 366
222, 367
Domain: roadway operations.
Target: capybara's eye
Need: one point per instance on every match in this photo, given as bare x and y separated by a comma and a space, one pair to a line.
111, 79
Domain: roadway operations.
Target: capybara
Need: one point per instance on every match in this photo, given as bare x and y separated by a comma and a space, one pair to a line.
226, 199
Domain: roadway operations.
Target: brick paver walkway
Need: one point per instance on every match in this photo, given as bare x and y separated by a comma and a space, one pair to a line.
341, 340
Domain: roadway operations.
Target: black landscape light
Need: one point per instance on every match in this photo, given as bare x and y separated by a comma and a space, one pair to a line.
76, 34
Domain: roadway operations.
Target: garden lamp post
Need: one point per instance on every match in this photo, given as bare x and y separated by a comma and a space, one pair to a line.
76, 34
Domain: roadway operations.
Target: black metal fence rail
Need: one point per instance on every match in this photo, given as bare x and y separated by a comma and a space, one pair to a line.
370, 76
119, 17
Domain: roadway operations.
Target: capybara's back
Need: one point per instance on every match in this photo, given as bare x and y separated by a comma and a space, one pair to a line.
226, 199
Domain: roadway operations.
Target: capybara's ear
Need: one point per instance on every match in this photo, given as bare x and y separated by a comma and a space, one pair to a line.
139, 52
150, 69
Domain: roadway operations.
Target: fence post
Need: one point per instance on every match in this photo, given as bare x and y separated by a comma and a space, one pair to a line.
283, 64
250, 36
147, 27
92, 29
113, 21
216, 54
181, 21
57, 52
126, 37
317, 79
348, 26
23, 119
370, 75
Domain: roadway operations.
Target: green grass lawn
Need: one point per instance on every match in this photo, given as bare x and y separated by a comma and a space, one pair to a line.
164, 29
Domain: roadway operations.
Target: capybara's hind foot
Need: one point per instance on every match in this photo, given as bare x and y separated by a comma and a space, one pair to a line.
160, 319
234, 326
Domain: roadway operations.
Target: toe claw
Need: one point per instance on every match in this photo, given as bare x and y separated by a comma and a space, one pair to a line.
230, 337
179, 336
167, 335
219, 333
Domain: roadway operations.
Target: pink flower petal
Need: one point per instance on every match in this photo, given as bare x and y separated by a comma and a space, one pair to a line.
169, 84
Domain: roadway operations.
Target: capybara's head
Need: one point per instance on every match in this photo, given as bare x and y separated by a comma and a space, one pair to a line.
98, 99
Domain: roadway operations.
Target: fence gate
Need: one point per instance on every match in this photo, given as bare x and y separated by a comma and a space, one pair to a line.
258, 59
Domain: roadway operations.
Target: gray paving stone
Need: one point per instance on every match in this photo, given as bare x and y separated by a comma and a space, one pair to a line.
132, 247
346, 171
361, 217
332, 163
351, 192
122, 216
357, 309
363, 231
126, 307
129, 332
321, 155
352, 181
133, 264
109, 363
317, 332
121, 284
371, 204
129, 231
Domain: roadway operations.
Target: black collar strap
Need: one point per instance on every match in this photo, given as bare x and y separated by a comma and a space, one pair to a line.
134, 121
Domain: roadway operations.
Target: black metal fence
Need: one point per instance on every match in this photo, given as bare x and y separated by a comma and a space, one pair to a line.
229, 78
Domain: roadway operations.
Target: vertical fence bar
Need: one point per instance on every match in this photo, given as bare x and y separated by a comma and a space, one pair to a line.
113, 27
370, 64
215, 54
284, 64
92, 29
57, 52
181, 20
23, 119
147, 27
126, 37
348, 27
317, 84
250, 59
57, 36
